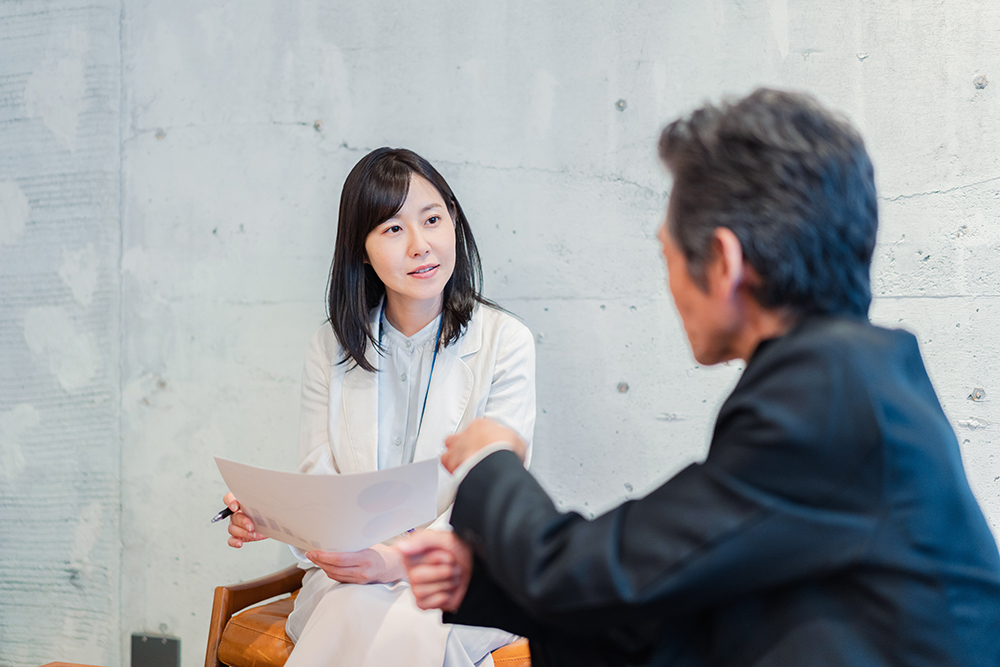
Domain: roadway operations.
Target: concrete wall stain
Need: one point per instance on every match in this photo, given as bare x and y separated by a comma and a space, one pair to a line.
60, 448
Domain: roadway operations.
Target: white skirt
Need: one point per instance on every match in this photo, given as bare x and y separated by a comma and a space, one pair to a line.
375, 625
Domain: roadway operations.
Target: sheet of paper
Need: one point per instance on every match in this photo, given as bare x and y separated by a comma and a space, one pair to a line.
334, 512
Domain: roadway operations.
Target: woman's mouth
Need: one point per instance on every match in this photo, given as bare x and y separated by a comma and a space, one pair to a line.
424, 271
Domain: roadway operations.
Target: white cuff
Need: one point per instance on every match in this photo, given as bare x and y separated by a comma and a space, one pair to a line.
301, 556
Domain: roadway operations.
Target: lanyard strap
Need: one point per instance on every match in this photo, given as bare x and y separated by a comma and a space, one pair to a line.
437, 341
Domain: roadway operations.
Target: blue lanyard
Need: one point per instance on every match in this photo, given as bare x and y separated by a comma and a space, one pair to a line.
437, 341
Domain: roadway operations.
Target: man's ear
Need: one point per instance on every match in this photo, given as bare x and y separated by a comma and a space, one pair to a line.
727, 271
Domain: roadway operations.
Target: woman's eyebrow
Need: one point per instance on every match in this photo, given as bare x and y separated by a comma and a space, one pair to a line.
428, 207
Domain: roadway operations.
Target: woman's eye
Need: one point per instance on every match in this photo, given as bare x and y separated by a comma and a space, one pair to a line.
433, 220
393, 229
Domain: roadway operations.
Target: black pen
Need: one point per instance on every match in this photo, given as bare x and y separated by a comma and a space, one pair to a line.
222, 515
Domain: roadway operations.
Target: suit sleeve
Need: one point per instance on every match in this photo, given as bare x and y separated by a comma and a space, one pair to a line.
724, 528
486, 604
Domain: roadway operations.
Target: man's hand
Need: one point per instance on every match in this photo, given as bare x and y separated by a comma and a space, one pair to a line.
439, 567
481, 433
379, 565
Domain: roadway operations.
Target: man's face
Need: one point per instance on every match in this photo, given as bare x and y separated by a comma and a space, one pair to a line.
708, 315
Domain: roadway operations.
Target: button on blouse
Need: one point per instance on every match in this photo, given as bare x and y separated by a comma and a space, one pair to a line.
402, 384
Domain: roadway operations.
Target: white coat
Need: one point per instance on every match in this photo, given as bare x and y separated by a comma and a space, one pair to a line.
488, 372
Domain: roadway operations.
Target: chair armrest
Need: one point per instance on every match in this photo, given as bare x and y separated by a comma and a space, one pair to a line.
231, 599
244, 594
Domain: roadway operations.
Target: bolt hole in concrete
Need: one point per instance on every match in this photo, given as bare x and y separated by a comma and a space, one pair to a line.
980, 82
620, 105
622, 387
977, 394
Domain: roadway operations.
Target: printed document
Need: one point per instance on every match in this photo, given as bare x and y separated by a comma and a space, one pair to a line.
334, 512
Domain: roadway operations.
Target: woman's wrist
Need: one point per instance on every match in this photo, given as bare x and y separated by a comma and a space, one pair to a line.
393, 570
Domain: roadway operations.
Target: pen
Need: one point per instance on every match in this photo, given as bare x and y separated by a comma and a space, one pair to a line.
222, 515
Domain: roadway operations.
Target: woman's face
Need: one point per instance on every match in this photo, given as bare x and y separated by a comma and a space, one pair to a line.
413, 252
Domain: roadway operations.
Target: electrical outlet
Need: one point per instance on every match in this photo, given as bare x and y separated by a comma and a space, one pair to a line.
155, 650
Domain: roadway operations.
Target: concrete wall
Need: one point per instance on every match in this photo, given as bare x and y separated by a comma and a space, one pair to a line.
238, 124
60, 445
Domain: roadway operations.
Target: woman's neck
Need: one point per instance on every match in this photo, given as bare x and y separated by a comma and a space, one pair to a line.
410, 317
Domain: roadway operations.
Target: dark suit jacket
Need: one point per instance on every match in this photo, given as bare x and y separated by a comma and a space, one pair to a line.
831, 524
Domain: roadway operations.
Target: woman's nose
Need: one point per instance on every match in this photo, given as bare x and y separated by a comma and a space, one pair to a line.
418, 243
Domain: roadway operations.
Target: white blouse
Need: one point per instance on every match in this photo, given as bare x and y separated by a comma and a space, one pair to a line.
402, 388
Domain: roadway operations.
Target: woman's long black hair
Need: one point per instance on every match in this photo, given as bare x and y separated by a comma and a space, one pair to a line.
374, 192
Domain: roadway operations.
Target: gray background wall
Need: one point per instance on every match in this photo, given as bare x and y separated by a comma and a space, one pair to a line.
169, 178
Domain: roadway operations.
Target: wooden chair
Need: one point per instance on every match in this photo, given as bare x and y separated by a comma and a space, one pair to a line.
243, 635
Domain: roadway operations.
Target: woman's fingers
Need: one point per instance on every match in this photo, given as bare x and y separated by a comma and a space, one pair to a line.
230, 501
346, 575
240, 525
241, 530
352, 567
340, 559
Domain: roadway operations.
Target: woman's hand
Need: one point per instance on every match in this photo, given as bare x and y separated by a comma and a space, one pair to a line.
439, 567
379, 565
240, 525
481, 433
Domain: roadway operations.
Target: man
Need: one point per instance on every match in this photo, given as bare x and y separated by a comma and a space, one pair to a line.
831, 523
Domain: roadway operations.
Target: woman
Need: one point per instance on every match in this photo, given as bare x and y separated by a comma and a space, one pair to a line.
411, 354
